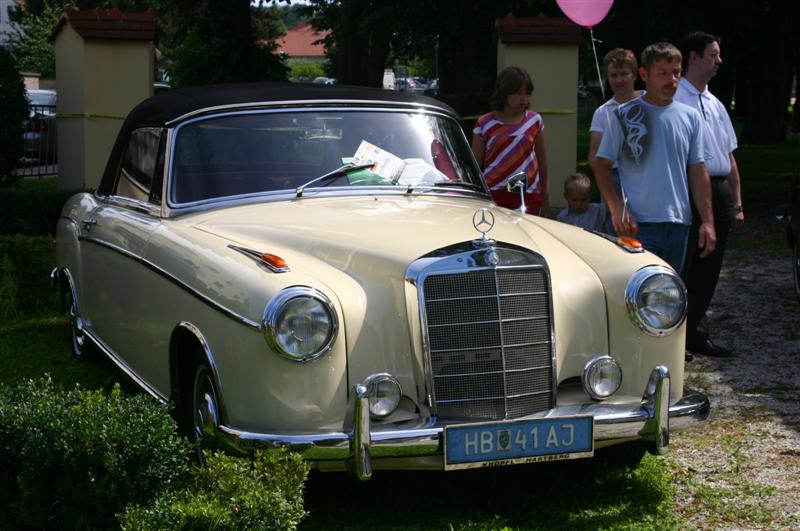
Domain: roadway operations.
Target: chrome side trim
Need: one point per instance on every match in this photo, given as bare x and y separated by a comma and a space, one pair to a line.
200, 296
134, 204
255, 255
613, 423
124, 367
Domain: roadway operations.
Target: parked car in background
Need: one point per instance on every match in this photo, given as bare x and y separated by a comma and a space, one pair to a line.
409, 84
432, 88
40, 133
324, 80
322, 269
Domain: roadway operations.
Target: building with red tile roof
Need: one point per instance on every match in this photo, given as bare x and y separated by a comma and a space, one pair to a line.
303, 42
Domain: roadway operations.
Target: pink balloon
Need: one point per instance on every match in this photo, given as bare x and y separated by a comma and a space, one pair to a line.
586, 13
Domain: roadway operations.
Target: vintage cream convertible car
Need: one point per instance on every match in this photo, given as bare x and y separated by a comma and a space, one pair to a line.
321, 268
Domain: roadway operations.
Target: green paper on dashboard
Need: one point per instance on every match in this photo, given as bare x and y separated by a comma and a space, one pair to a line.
362, 177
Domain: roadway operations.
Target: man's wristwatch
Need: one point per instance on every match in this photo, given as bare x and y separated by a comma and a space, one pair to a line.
737, 207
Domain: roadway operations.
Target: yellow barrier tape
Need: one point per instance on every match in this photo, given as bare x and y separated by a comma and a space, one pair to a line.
88, 115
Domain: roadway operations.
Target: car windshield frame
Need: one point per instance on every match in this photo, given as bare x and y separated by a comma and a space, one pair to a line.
463, 170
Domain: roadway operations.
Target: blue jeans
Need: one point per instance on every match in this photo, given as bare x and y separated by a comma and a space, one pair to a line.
666, 240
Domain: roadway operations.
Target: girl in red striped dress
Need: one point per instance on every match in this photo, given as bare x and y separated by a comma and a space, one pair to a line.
509, 140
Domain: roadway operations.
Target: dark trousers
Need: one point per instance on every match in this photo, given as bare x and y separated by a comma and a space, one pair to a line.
701, 274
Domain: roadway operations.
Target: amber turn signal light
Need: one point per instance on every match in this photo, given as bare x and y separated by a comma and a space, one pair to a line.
630, 243
275, 261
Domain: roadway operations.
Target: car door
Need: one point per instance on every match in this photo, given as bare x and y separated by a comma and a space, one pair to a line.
115, 234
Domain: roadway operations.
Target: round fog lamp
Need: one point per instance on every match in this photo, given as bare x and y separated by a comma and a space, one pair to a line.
602, 377
383, 391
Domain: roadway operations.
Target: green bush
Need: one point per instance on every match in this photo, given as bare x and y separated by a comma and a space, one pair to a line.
230, 493
76, 459
14, 111
25, 288
31, 211
304, 70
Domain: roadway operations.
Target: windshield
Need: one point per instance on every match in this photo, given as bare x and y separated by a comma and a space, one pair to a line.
41, 98
260, 152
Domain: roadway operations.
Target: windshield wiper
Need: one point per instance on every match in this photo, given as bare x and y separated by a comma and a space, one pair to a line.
344, 169
460, 184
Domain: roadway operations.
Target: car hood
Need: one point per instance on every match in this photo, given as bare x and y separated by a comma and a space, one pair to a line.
390, 231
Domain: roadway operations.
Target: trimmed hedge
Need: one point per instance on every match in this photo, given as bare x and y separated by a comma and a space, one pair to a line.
78, 458
230, 493
84, 459
31, 211
25, 288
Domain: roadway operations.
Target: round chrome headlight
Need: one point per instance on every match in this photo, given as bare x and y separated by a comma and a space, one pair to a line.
656, 300
383, 391
300, 323
601, 377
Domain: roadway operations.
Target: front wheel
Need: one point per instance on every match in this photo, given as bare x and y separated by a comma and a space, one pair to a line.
203, 417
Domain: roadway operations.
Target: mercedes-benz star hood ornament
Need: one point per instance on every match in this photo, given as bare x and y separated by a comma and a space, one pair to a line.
483, 221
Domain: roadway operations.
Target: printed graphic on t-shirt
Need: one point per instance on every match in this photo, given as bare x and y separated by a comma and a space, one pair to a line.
635, 127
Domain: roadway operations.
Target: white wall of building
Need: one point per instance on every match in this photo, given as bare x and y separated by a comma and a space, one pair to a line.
5, 23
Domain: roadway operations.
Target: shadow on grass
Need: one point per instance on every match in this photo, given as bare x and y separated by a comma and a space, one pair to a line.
583, 494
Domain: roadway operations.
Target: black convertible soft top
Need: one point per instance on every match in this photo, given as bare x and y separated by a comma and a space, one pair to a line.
163, 108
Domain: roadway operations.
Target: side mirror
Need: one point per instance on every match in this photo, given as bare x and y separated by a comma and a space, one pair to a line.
518, 181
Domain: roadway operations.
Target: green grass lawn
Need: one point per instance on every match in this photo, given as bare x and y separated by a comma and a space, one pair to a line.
30, 349
580, 494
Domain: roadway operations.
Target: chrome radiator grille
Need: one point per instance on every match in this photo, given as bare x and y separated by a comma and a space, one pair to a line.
489, 342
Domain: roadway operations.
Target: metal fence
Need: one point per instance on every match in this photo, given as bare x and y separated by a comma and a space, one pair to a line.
40, 157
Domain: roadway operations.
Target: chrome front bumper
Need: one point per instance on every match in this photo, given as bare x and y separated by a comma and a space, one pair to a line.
651, 421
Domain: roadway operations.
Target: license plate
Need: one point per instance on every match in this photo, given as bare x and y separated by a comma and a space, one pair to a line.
525, 441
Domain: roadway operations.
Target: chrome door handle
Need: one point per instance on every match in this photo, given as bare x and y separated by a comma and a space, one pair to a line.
89, 223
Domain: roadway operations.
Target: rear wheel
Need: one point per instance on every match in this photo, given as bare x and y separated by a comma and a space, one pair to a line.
82, 346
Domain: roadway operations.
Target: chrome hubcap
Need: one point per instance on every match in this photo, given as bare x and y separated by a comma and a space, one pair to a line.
78, 338
206, 411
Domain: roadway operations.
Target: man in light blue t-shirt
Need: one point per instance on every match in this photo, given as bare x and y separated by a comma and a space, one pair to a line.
658, 147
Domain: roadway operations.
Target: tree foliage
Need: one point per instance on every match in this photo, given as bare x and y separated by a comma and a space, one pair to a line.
760, 45
213, 41
29, 39
14, 110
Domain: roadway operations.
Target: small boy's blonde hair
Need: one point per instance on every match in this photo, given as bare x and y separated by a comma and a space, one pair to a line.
578, 183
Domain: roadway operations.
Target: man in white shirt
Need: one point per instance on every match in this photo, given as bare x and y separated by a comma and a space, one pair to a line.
701, 55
